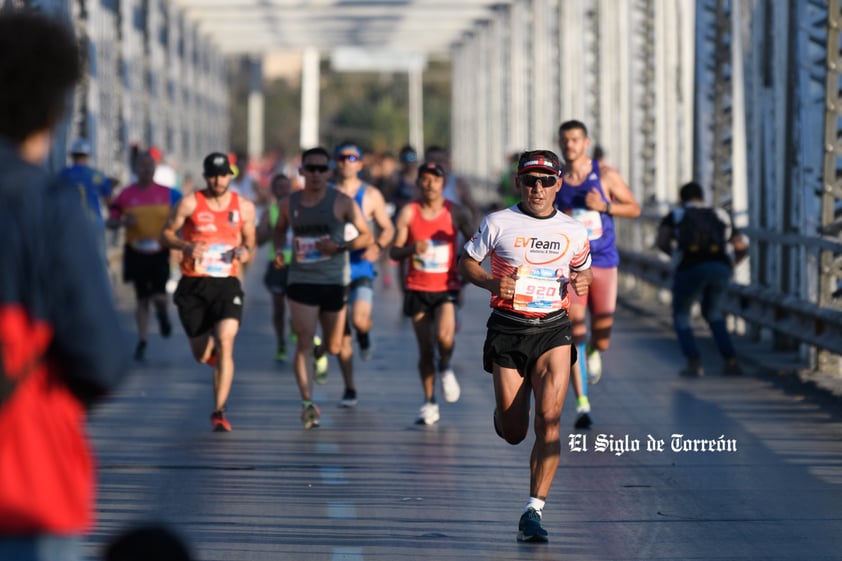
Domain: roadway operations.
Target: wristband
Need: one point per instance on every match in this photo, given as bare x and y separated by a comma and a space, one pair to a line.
607, 207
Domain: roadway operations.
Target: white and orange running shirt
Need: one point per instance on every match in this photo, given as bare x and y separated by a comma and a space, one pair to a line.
538, 252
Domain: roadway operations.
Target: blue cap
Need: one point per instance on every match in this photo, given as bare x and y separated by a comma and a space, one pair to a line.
343, 147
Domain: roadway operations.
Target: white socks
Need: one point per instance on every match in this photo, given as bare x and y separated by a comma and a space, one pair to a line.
536, 504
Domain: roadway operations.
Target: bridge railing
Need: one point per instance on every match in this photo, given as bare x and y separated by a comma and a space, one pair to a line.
788, 315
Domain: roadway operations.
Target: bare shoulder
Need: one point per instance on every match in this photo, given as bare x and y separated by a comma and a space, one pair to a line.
405, 214
374, 196
247, 208
187, 204
344, 205
609, 174
614, 183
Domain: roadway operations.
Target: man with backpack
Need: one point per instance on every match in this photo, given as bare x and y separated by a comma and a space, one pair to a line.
704, 246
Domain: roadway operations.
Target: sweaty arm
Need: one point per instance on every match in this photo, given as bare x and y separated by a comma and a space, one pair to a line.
351, 213
169, 235
470, 267
384, 223
621, 200
399, 251
471, 270
247, 231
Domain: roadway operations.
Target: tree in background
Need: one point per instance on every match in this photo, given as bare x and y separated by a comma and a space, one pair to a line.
371, 108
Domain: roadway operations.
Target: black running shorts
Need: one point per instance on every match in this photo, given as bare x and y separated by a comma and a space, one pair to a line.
416, 302
203, 302
327, 297
512, 345
148, 272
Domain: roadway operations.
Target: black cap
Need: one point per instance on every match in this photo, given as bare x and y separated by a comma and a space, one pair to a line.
216, 163
432, 167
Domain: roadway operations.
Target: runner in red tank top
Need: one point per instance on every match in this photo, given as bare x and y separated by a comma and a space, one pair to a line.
217, 235
426, 233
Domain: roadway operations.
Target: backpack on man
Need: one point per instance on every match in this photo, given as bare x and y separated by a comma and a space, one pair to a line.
701, 233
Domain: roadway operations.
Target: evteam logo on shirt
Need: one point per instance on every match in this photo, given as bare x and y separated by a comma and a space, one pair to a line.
541, 251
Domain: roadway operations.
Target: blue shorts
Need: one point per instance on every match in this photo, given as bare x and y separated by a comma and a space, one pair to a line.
362, 290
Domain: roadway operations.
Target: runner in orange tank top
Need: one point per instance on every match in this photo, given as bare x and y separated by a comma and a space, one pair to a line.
217, 235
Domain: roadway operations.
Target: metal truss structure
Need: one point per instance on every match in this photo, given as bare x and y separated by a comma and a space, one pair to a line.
744, 97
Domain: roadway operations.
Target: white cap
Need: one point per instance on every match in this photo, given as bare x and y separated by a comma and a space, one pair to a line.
80, 146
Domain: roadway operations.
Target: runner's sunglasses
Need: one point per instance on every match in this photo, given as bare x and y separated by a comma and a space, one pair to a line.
546, 181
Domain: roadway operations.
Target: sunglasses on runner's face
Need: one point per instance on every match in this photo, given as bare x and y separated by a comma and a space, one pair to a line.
533, 180
314, 168
347, 158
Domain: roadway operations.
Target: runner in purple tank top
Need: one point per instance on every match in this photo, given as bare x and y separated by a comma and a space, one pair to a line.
593, 194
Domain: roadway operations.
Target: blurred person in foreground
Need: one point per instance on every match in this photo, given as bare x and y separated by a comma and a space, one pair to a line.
61, 345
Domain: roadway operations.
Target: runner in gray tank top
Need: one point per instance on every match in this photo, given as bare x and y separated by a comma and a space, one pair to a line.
319, 273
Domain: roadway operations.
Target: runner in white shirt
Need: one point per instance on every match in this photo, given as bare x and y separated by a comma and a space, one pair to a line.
537, 254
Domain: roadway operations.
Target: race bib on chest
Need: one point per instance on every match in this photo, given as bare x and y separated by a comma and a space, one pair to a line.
435, 260
306, 250
538, 289
591, 219
217, 261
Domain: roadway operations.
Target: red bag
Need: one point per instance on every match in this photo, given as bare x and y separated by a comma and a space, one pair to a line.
46, 469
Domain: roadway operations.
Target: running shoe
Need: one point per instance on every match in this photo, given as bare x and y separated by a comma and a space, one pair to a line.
310, 416
349, 399
583, 410
428, 414
529, 527
213, 359
319, 362
140, 351
583, 421
219, 422
281, 352
450, 386
594, 362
